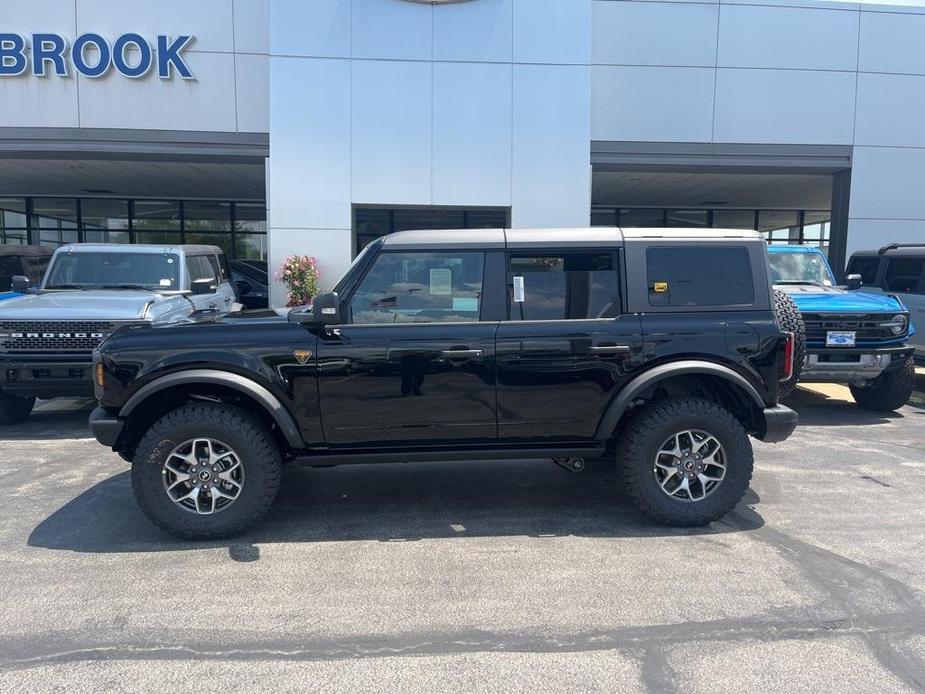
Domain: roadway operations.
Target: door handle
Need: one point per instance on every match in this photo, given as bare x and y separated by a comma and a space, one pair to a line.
610, 349
461, 353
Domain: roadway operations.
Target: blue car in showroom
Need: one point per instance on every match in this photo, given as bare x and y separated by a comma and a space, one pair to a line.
851, 336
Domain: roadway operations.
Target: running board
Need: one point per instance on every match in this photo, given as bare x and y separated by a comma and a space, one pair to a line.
355, 457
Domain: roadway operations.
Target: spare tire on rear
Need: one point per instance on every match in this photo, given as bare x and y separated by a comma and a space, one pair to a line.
788, 315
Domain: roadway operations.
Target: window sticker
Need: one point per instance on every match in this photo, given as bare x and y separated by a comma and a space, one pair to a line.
165, 282
518, 289
465, 303
441, 281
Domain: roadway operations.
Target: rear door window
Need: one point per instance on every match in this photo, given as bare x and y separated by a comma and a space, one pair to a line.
904, 275
699, 276
563, 286
866, 267
199, 268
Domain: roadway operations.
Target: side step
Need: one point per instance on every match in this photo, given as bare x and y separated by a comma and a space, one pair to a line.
355, 457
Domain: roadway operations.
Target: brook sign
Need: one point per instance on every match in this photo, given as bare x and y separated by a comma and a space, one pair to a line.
91, 55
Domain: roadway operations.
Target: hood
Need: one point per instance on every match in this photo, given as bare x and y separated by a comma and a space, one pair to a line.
107, 304
811, 298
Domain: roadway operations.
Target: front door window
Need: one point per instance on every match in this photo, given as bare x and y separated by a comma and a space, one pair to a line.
420, 288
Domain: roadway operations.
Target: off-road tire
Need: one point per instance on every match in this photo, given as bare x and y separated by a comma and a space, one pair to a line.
14, 408
889, 391
788, 315
245, 433
650, 428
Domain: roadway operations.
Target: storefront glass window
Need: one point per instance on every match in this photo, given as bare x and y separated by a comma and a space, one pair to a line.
54, 213
206, 216
250, 216
156, 215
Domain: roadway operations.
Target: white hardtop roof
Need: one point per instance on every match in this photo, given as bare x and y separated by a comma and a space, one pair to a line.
573, 237
154, 249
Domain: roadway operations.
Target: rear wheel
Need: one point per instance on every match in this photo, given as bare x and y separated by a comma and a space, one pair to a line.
206, 471
685, 462
788, 315
889, 391
14, 408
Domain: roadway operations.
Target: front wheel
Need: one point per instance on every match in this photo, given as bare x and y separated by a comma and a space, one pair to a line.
206, 471
685, 462
889, 391
14, 408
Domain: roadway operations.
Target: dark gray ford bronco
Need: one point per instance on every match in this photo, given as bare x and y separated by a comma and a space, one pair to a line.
658, 350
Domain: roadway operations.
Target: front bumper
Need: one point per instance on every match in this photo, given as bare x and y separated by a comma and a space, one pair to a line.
105, 427
779, 423
828, 365
47, 377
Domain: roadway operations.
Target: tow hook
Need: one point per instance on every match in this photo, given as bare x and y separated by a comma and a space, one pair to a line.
570, 464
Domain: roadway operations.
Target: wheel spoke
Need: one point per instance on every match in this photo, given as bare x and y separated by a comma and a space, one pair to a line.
180, 480
671, 473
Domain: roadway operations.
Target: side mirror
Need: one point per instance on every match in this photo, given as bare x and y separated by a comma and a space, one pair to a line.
200, 287
326, 309
853, 281
21, 284
243, 287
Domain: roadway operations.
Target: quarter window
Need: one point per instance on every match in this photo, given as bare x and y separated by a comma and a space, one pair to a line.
699, 276
903, 275
563, 286
420, 288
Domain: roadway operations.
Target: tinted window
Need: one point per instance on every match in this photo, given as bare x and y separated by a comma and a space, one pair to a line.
563, 286
699, 276
9, 266
198, 267
865, 267
903, 275
420, 288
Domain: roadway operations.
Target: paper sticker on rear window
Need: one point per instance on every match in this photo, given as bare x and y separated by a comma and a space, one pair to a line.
166, 282
441, 281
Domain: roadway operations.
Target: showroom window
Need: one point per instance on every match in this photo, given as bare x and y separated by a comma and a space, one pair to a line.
369, 223
13, 221
239, 228
812, 227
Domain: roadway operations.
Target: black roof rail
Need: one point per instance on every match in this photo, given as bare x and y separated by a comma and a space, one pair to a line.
894, 246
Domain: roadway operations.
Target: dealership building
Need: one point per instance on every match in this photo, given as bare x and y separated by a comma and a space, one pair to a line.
273, 127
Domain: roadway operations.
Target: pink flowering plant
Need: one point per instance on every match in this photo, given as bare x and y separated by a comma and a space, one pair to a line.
300, 275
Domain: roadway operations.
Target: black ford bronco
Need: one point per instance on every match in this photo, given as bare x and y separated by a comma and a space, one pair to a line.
658, 350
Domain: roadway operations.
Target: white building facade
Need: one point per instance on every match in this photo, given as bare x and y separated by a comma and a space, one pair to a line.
351, 118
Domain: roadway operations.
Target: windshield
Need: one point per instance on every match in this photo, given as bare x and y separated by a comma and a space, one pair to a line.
157, 272
800, 268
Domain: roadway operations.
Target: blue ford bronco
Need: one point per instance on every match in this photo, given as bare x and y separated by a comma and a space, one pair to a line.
850, 336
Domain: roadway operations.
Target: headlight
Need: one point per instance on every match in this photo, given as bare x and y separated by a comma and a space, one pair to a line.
898, 325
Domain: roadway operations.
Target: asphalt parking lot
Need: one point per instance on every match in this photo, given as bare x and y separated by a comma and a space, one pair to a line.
474, 576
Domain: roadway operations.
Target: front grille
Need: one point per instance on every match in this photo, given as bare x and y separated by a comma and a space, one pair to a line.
49, 337
866, 326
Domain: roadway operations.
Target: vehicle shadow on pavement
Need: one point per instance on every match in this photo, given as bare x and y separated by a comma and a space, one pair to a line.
51, 421
390, 503
818, 409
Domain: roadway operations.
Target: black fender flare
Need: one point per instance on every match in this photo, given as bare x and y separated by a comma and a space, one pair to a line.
619, 405
244, 385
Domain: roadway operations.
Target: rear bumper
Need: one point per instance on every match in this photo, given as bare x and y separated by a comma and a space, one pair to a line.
850, 365
779, 423
45, 377
105, 427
